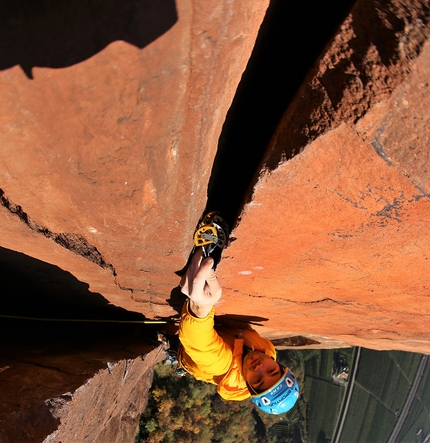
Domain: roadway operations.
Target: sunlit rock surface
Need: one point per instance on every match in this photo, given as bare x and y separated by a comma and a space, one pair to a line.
110, 117
108, 407
107, 145
334, 238
110, 114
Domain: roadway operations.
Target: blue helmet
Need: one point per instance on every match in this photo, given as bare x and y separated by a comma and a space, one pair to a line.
281, 397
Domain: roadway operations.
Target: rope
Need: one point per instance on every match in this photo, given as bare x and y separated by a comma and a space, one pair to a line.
146, 322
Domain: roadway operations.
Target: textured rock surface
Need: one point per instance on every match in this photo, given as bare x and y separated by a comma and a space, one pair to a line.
44, 364
107, 142
334, 239
110, 114
108, 407
109, 156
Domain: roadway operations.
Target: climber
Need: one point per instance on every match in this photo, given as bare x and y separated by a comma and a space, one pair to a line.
239, 361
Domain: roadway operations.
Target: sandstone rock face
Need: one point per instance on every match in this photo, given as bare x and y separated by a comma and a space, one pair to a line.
43, 366
333, 239
110, 120
108, 407
110, 115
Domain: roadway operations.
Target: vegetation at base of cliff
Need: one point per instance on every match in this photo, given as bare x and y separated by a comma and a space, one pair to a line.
185, 410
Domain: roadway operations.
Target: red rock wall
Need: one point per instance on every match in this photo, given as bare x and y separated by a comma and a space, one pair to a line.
108, 407
110, 114
108, 153
334, 238
105, 406
105, 163
107, 144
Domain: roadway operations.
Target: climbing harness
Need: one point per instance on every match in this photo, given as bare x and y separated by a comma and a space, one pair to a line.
212, 231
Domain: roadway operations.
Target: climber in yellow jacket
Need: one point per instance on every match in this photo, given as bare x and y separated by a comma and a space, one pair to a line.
240, 361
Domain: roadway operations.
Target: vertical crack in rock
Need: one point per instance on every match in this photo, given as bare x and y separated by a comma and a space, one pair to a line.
305, 77
290, 39
75, 243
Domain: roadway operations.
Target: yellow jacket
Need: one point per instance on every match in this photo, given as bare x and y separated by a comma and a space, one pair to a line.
214, 353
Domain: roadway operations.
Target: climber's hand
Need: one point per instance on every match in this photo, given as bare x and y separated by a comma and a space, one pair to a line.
201, 285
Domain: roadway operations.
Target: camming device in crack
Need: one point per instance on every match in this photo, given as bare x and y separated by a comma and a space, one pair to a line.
212, 231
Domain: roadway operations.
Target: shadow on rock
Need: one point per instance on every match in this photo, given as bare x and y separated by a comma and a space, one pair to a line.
234, 321
45, 359
34, 288
56, 34
177, 300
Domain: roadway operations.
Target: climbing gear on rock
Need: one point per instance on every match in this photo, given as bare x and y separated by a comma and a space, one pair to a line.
171, 353
281, 397
171, 358
212, 231
163, 340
